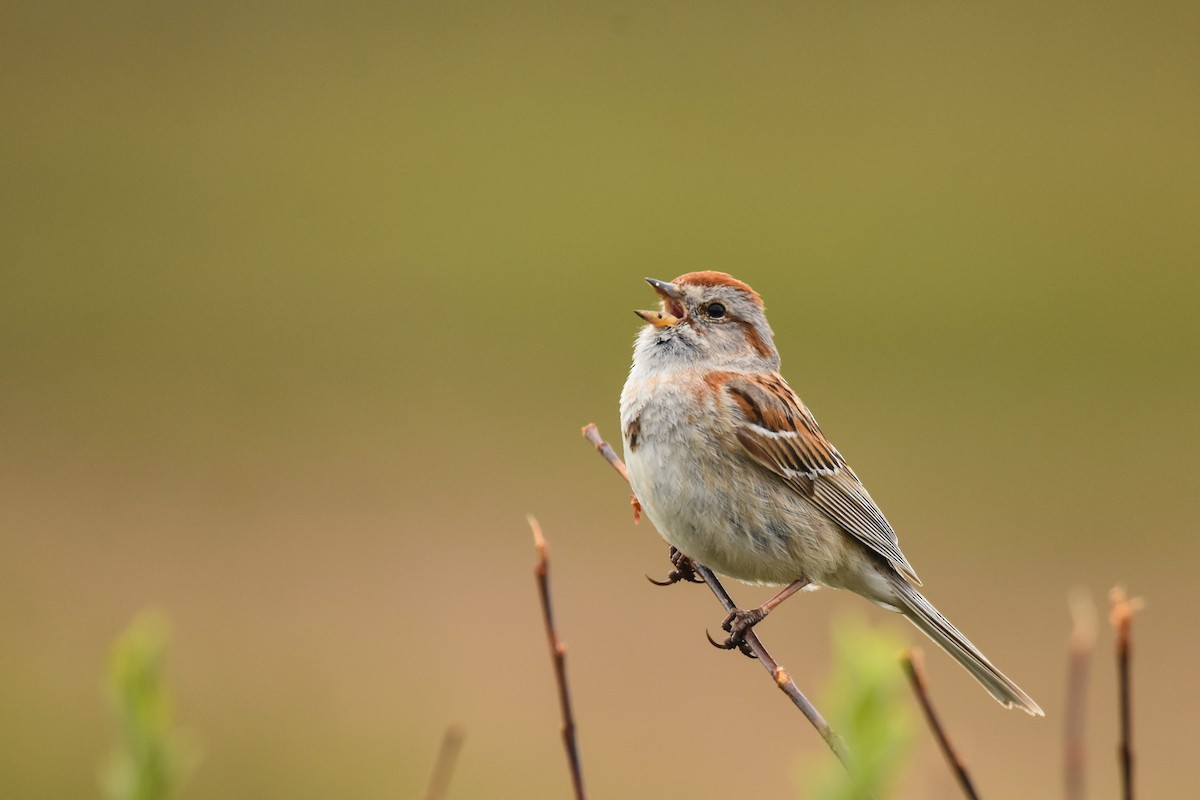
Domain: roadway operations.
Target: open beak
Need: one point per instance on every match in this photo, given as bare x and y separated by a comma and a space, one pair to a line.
672, 310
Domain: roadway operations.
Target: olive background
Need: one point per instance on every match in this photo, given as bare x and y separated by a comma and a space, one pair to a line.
304, 305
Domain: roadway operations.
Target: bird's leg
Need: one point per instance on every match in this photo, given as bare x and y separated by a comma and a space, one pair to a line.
739, 622
684, 570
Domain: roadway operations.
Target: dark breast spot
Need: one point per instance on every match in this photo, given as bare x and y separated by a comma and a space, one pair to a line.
633, 433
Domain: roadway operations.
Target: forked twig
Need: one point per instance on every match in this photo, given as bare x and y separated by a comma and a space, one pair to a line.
780, 675
1121, 617
558, 653
914, 666
1079, 656
443, 766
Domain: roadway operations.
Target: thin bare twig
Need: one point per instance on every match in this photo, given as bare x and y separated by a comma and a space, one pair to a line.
558, 653
592, 434
914, 665
1121, 617
780, 675
1079, 656
443, 766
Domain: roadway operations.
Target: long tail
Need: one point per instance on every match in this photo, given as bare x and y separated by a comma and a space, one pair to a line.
922, 614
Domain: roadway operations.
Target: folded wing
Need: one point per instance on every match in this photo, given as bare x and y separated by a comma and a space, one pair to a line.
779, 432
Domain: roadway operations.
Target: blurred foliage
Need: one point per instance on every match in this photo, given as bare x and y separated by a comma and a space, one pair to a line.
867, 704
151, 761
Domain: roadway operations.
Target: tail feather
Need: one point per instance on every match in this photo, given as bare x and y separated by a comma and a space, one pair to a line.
921, 613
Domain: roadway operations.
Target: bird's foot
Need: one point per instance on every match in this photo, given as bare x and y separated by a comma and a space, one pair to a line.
685, 570
737, 625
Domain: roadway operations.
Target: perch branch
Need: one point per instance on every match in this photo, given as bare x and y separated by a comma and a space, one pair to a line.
914, 666
443, 766
1079, 656
1121, 617
558, 653
780, 675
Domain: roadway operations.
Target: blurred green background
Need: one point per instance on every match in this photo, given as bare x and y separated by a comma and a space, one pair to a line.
303, 307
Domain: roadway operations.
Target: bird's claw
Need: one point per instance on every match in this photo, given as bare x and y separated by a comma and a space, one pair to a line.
737, 625
730, 643
685, 570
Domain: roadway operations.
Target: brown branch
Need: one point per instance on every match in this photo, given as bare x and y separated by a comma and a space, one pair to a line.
914, 665
443, 766
1121, 617
592, 434
1079, 656
558, 653
780, 675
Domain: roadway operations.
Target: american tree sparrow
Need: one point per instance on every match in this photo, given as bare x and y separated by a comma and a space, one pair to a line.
734, 472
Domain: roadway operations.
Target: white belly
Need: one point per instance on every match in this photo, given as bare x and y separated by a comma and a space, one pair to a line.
713, 502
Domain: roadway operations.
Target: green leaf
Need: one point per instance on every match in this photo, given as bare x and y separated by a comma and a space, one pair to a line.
151, 761
867, 703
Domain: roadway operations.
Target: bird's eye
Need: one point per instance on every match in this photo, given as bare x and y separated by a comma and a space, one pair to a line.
715, 310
